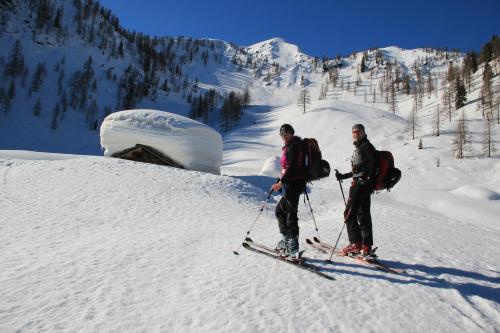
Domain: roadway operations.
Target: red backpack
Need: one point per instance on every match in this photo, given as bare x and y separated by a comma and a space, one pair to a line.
387, 174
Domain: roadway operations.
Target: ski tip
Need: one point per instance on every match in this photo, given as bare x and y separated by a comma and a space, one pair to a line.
236, 253
316, 239
248, 240
246, 245
308, 241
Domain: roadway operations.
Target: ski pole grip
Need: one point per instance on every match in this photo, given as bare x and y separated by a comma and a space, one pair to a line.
276, 182
336, 171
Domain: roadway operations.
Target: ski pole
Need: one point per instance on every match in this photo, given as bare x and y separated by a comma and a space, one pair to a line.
260, 211
310, 207
338, 238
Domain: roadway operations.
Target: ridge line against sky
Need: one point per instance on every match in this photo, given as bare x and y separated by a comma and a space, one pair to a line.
318, 27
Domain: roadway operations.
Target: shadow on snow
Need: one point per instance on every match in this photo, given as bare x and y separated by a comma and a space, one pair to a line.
429, 278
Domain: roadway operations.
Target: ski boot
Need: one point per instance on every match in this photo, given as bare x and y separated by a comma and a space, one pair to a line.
368, 253
281, 246
352, 250
292, 249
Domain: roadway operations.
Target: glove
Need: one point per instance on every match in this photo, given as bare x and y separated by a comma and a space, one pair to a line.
338, 175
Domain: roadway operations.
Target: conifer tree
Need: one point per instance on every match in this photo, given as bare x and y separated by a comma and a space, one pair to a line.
15, 64
91, 115
60, 81
246, 98
461, 141
38, 77
25, 75
488, 138
304, 100
437, 121
413, 120
487, 96
363, 63
225, 114
6, 96
447, 101
461, 93
37, 109
406, 85
430, 84
55, 117
64, 102
393, 103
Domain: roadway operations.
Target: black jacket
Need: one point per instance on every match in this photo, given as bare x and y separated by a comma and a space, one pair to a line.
364, 161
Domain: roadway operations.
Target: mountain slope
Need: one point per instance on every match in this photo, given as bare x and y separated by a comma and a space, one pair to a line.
79, 65
86, 66
143, 247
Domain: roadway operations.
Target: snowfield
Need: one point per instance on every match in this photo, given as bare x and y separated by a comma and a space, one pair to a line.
102, 244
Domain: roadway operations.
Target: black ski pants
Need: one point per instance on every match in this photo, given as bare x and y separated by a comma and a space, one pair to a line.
287, 208
357, 214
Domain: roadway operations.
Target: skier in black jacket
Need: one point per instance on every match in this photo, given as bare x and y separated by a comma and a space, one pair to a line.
293, 180
357, 216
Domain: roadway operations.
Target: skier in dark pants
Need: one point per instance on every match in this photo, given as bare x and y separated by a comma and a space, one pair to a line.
293, 180
357, 216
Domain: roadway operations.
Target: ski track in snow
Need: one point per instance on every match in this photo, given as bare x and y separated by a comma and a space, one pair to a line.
99, 244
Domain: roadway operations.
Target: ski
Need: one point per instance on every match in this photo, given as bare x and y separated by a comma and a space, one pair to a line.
317, 246
262, 246
267, 248
324, 247
298, 263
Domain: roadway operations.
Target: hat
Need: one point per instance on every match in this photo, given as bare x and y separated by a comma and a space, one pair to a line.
358, 127
286, 128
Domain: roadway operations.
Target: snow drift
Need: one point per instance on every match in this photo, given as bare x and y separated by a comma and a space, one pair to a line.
191, 144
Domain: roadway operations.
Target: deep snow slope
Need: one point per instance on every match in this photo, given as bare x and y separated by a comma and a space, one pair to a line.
99, 244
189, 66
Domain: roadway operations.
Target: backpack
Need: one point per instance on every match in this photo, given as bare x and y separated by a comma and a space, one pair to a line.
387, 174
315, 166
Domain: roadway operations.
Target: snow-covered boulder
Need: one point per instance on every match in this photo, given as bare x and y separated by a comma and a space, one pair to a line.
271, 167
191, 144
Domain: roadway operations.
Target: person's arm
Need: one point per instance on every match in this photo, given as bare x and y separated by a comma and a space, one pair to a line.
341, 176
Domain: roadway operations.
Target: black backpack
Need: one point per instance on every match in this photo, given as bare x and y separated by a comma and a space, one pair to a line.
315, 166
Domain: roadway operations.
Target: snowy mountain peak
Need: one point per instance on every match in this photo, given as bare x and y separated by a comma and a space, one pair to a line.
279, 51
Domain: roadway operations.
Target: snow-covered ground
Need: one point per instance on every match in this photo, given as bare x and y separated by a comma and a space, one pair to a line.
100, 244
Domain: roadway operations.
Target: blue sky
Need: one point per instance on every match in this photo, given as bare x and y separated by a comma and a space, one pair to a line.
318, 27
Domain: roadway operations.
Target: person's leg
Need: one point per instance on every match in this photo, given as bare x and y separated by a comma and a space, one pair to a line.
365, 221
291, 203
350, 215
281, 216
